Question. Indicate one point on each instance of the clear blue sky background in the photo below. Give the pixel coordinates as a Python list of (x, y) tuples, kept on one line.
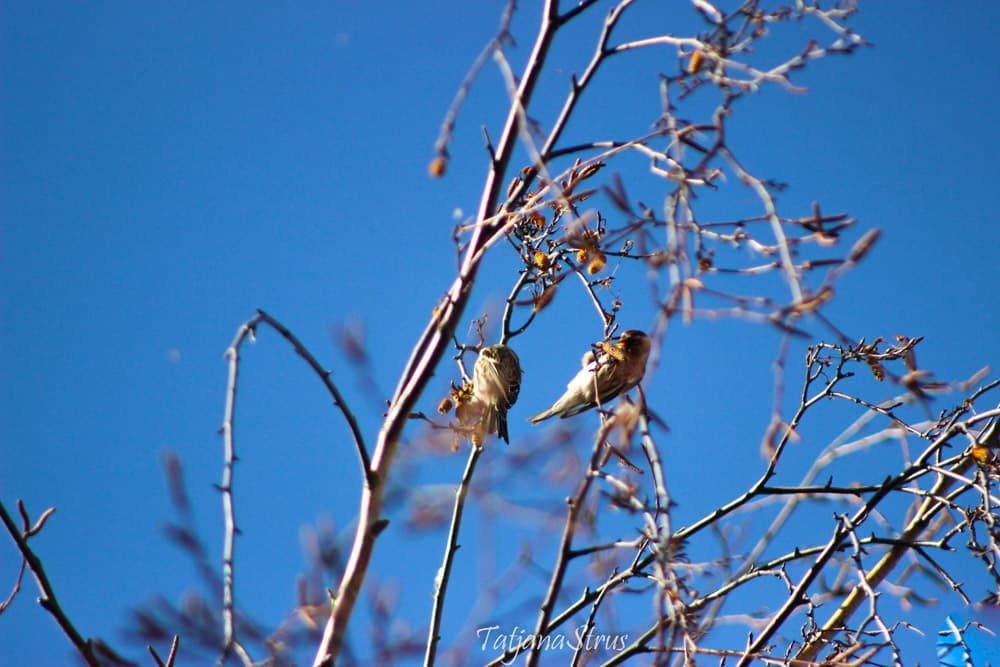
[(164, 170)]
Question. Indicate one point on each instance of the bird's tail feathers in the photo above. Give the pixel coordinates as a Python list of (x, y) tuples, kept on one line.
[(541, 416), (495, 421), (563, 408), (501, 420)]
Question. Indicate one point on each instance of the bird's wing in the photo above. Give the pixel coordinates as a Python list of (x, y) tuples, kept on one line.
[(610, 382), (513, 386), (576, 398)]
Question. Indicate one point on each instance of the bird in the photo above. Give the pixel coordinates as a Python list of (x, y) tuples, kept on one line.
[(612, 372), (496, 384)]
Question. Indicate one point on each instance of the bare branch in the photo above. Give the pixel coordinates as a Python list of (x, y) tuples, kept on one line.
[(230, 643), (452, 546), (325, 377), (48, 600)]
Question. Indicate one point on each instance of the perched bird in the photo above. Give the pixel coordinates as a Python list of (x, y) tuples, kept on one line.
[(496, 383), (612, 372)]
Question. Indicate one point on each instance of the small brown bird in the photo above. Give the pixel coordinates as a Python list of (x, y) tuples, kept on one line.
[(496, 384), (603, 378)]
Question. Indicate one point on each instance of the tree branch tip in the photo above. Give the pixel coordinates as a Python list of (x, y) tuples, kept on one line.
[(34, 530), (156, 657), (379, 526)]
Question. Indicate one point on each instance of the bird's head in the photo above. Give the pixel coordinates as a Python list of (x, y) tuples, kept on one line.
[(635, 343)]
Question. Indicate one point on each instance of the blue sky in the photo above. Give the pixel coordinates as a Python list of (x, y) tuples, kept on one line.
[(166, 170)]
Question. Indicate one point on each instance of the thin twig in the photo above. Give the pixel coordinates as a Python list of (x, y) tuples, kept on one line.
[(170, 657), (505, 331), (48, 600), (448, 124), (230, 643), (452, 546), (575, 506), (325, 377)]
